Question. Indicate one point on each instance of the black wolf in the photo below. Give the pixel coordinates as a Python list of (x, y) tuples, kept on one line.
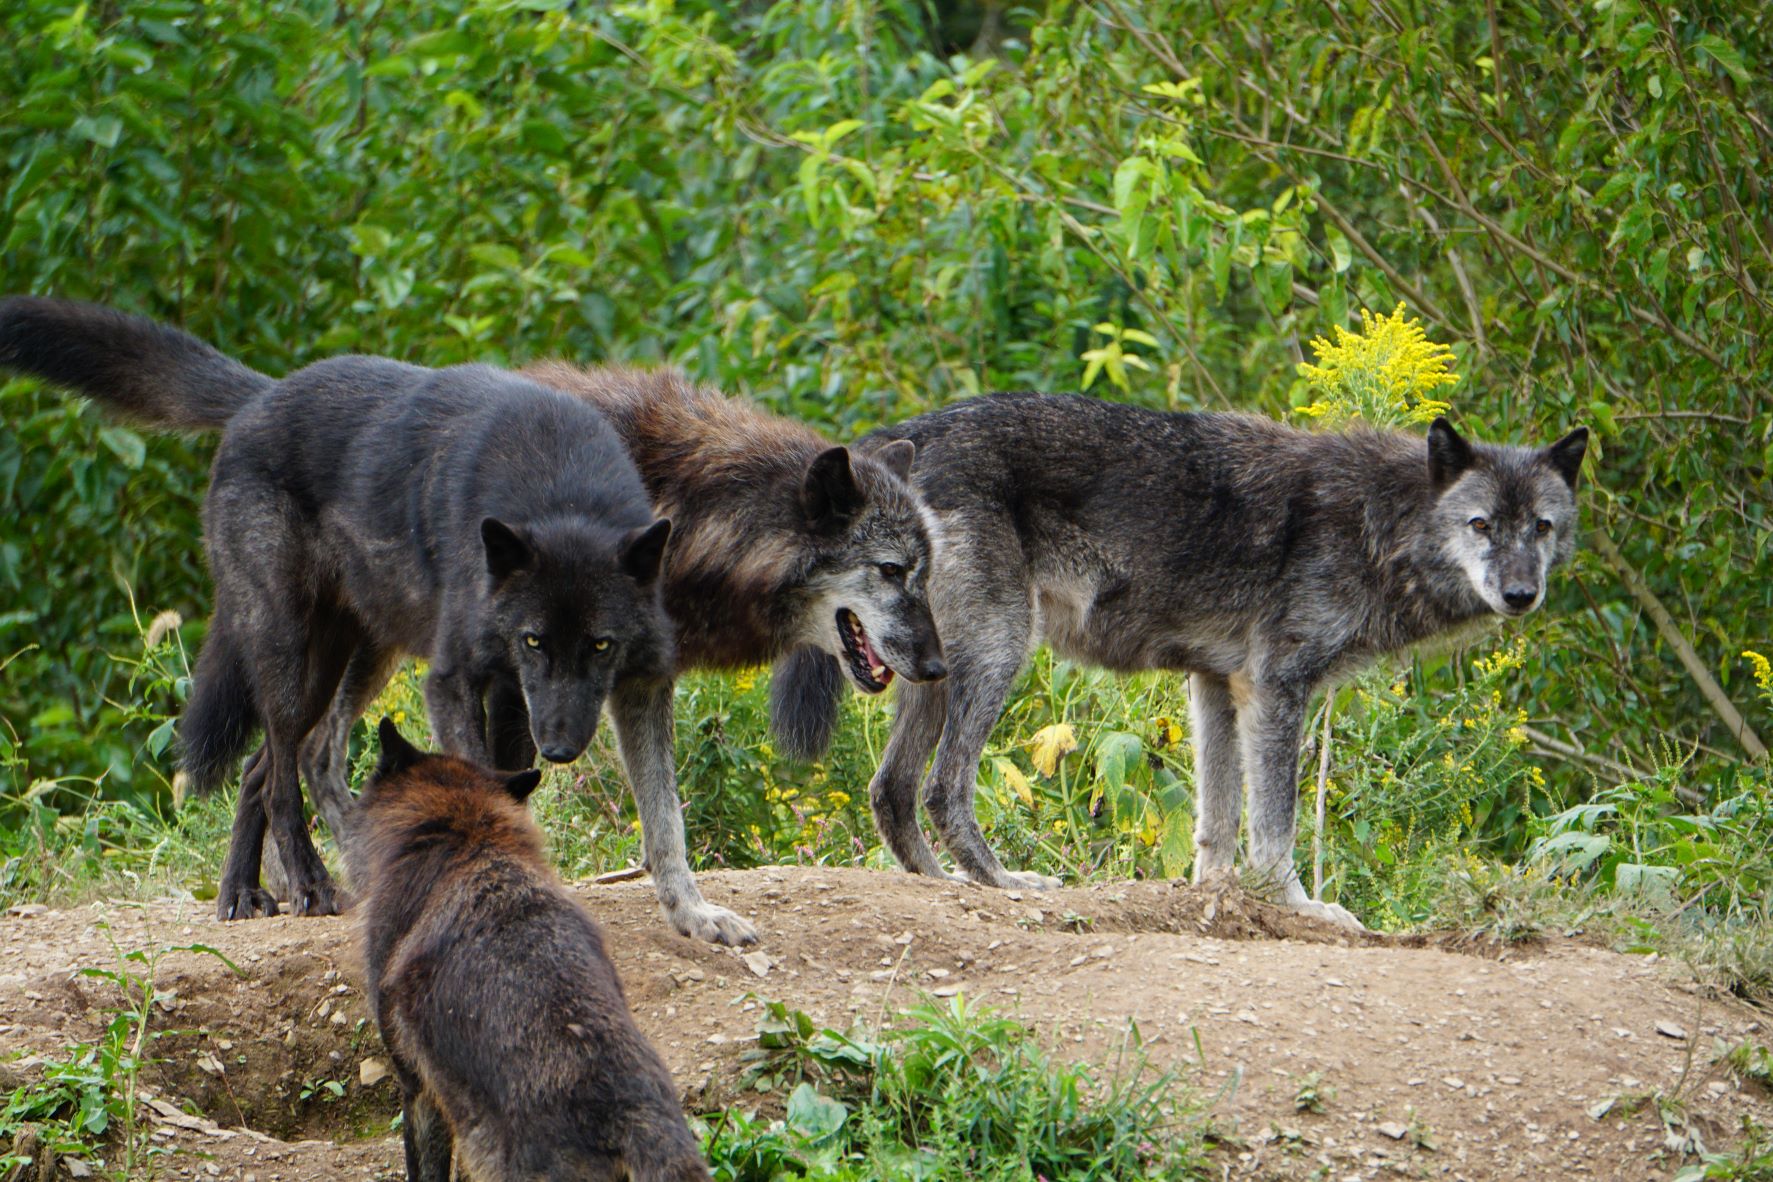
[(500, 1008), (780, 542), (362, 509), (1263, 559)]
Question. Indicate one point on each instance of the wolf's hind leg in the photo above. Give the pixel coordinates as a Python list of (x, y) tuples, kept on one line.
[(641, 711), (1271, 723), (238, 897), (1218, 774), (325, 759), (427, 1137), (917, 726)]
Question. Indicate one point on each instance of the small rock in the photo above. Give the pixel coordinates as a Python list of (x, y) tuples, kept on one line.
[(76, 1168), (25, 911), (339, 1018), (1453, 1081), (371, 1072), (1670, 1030), (1393, 1130), (758, 962)]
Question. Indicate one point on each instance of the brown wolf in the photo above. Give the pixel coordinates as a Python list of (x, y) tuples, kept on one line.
[(781, 543), (498, 1004)]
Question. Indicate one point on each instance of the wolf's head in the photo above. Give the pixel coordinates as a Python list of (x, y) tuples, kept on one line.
[(866, 593), (574, 605), (1504, 515)]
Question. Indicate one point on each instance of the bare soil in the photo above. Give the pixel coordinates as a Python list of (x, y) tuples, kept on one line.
[(1489, 1063)]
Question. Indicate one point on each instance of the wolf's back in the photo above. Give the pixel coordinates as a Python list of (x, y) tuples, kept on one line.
[(147, 372)]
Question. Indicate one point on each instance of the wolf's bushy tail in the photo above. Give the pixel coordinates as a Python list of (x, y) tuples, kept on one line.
[(219, 722), (806, 694), (147, 372)]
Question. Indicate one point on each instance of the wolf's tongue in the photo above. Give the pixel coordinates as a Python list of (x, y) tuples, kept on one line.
[(877, 667)]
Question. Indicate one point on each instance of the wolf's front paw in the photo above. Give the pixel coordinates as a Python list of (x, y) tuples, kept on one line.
[(704, 921), (1029, 880), (1330, 912), (239, 901)]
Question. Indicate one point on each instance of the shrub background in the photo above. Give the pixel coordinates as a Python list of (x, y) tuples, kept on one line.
[(854, 212)]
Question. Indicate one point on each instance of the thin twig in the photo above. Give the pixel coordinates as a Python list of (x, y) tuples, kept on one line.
[(1323, 780)]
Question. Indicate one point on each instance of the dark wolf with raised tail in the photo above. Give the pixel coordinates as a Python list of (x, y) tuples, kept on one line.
[(1263, 559), (503, 1015), (781, 544), (360, 510)]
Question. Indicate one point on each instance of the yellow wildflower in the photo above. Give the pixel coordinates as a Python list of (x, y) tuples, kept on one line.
[(1763, 669), (1383, 374)]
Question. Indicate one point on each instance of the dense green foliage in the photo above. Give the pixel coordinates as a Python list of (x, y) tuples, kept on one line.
[(828, 207)]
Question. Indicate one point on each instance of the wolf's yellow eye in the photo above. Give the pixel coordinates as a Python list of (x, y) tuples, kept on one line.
[(1479, 524), (532, 640), (600, 645), (1542, 528), (891, 571)]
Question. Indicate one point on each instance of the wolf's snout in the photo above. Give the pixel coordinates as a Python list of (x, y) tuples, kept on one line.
[(1519, 599), (560, 753), (931, 669)]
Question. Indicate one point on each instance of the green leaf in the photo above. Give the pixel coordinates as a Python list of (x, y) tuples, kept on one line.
[(1709, 45), (103, 130), (814, 1116), (1117, 754), (125, 444)]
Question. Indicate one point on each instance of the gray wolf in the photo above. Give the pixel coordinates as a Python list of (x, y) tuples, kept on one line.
[(780, 542), (1262, 559), (499, 1007), (362, 509)]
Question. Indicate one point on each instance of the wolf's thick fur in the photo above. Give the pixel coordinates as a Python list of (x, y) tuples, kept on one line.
[(1263, 559), (778, 538), (503, 1015), (362, 509), (777, 531)]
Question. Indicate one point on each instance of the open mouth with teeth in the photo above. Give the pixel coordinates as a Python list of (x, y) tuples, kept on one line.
[(869, 671)]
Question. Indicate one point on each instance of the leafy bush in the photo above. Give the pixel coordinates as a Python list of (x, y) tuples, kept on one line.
[(824, 206)]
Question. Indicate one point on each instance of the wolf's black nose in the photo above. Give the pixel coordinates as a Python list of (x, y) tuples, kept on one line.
[(559, 753), (1520, 598), (932, 670)]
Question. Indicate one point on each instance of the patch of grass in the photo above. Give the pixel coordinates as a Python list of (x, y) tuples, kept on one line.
[(956, 1091), (85, 1103)]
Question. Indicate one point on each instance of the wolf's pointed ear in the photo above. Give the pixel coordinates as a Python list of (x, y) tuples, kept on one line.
[(642, 552), (1566, 455), (1448, 454), (523, 783), (897, 457), (830, 494), (506, 551), (397, 753)]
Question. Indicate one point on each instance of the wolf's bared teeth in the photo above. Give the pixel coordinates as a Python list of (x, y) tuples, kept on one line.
[(879, 672)]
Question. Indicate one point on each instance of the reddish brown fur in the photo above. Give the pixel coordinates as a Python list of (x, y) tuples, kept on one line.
[(498, 1004), (729, 477)]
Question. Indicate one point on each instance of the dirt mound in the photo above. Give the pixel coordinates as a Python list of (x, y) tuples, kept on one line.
[(1426, 1061)]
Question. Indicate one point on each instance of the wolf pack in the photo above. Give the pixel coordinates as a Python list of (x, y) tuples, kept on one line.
[(561, 541)]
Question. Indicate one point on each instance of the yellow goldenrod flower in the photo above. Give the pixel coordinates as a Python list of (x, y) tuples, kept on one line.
[(1383, 374), (1763, 669)]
